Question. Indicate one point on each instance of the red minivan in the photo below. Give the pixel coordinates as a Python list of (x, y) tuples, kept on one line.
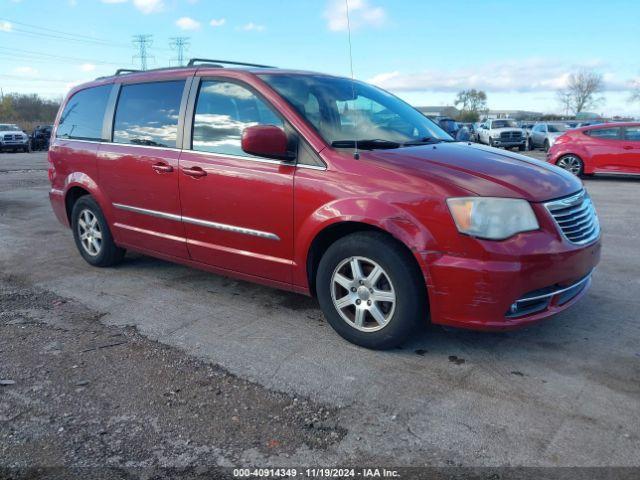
[(323, 186)]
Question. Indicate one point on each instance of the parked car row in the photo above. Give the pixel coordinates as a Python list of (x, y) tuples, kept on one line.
[(14, 139), (582, 148)]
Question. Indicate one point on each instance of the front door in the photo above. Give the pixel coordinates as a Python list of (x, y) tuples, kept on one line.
[(237, 209), (605, 147), (630, 163), (139, 169)]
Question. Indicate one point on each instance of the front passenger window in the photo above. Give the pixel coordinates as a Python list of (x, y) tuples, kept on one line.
[(223, 110)]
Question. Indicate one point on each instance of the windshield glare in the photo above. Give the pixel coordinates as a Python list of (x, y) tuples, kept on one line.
[(329, 104), (504, 124), (8, 127)]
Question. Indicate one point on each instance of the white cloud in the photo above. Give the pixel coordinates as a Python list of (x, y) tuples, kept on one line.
[(249, 27), (5, 26), (87, 67), (145, 6), (188, 23), (149, 6), (25, 71), (217, 22), (361, 13), (528, 75)]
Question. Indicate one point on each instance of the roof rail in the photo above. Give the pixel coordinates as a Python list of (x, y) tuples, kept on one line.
[(220, 63), (120, 71)]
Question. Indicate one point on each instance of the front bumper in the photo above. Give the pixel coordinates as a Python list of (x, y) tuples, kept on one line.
[(509, 143), (14, 144), (509, 292)]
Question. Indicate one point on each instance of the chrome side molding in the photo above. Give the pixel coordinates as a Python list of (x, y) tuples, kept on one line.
[(202, 223)]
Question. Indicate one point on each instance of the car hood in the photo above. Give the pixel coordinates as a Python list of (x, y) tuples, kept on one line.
[(483, 171)]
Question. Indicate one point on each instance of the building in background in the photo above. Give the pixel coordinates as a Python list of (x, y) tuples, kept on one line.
[(441, 111), (513, 114)]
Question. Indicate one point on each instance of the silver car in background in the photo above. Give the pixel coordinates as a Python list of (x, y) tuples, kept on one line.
[(543, 135)]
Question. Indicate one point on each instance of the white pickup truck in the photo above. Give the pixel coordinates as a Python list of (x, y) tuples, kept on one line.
[(12, 138), (502, 133)]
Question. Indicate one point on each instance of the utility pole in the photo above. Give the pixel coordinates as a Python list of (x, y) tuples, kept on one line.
[(142, 43), (181, 45)]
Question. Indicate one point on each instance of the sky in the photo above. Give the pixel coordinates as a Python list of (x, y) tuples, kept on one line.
[(425, 51)]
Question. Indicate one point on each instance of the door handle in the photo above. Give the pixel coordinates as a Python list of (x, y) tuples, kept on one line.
[(628, 147), (162, 168), (194, 172)]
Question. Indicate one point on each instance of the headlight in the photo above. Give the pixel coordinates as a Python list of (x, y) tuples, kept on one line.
[(492, 218)]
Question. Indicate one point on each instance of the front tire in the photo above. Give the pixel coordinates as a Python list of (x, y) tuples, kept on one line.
[(371, 290), (546, 146), (92, 235)]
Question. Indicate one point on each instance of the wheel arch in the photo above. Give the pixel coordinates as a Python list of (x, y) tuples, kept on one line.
[(71, 197), (333, 232), (79, 184)]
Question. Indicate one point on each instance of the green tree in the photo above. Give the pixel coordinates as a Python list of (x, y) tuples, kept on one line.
[(473, 102), (7, 112)]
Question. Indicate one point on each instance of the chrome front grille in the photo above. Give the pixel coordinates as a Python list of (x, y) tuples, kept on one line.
[(8, 137), (511, 136), (576, 217)]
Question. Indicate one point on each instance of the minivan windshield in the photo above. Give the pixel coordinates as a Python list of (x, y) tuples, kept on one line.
[(346, 112)]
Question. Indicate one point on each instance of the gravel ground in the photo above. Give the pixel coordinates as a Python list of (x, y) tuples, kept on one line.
[(77, 393)]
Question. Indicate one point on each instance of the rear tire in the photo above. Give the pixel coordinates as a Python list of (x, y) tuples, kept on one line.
[(379, 302), (92, 235), (572, 164)]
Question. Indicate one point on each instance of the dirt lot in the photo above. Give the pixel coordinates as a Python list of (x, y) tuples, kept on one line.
[(155, 364)]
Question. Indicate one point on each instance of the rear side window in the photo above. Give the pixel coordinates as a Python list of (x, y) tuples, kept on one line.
[(632, 133), (223, 110), (147, 114), (605, 133), (83, 114)]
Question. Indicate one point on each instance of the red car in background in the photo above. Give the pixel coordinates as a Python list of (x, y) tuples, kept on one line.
[(612, 148)]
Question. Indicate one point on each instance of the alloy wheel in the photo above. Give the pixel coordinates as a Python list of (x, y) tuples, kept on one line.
[(89, 232), (570, 163), (363, 294)]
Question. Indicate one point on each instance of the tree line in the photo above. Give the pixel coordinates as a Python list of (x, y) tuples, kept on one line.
[(582, 92), (27, 110)]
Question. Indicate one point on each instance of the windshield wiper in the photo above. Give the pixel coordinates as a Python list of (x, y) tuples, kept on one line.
[(366, 144), (425, 141)]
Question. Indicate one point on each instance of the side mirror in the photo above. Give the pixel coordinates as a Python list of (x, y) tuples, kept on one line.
[(266, 141)]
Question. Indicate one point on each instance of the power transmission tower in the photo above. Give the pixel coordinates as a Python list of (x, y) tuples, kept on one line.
[(181, 45), (142, 43)]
